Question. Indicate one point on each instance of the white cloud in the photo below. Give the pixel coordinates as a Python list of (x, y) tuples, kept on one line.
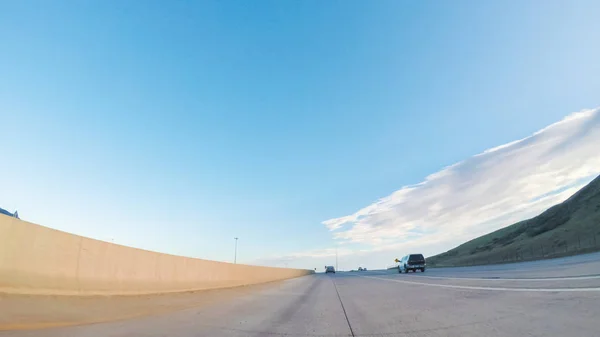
[(317, 258), (488, 191)]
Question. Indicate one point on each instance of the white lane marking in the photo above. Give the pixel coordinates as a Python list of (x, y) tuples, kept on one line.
[(488, 288), (566, 278)]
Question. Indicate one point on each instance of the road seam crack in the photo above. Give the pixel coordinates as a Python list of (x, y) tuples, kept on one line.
[(343, 309)]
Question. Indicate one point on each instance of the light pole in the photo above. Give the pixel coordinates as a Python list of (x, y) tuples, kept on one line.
[(336, 259), (235, 255)]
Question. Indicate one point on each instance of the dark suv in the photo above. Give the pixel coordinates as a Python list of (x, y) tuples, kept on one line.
[(412, 262)]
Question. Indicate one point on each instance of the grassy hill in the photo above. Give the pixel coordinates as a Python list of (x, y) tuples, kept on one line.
[(569, 228)]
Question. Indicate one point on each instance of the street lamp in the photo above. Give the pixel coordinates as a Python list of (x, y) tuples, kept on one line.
[(235, 255), (336, 259)]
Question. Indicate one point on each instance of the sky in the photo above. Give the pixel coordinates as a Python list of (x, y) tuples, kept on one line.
[(374, 129)]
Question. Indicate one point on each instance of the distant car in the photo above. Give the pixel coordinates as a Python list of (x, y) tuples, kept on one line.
[(412, 262), (329, 269), (360, 269)]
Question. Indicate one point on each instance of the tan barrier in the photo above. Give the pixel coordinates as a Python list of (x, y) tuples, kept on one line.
[(39, 260)]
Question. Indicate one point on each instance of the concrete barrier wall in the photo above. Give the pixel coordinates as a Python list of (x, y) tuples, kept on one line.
[(39, 260)]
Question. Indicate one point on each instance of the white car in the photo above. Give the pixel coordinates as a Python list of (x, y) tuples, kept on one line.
[(412, 262)]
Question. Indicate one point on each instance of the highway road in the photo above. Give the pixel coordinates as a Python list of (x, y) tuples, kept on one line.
[(558, 297)]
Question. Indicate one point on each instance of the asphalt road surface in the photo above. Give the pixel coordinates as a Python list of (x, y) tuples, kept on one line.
[(558, 297)]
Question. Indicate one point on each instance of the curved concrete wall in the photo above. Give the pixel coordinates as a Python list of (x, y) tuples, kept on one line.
[(39, 260)]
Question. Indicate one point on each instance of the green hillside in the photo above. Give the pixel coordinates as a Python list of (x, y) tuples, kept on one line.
[(569, 228)]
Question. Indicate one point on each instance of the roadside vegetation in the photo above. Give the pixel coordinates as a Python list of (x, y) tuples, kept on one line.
[(569, 228)]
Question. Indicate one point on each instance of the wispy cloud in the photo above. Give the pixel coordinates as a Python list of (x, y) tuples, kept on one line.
[(488, 191), (483, 193), (316, 257)]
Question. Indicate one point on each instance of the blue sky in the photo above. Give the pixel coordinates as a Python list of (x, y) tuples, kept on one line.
[(175, 126)]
